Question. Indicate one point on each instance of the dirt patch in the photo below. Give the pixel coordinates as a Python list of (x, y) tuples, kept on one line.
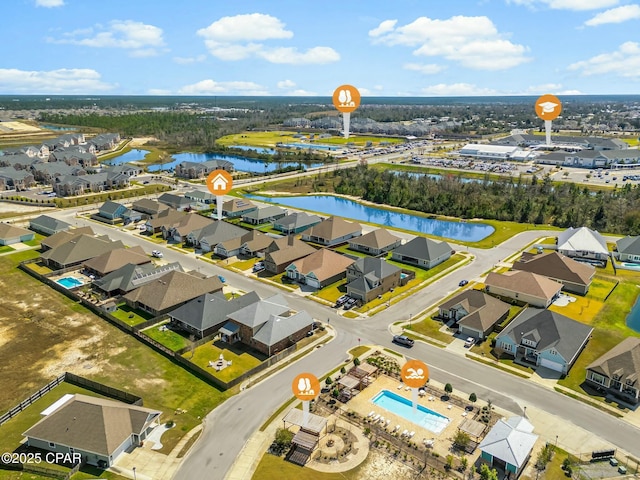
[(382, 466), (139, 141)]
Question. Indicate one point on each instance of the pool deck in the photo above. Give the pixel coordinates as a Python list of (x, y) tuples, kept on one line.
[(363, 404)]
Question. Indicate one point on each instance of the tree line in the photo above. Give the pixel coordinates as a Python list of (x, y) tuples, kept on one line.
[(518, 199)]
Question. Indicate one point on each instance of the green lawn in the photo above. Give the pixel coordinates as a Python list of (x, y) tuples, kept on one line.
[(130, 316), (241, 362), (359, 350), (332, 292), (586, 308), (269, 139), (276, 468), (244, 264), (345, 249), (430, 328), (6, 248), (166, 337)]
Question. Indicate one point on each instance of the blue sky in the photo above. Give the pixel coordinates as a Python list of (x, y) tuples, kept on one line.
[(285, 47)]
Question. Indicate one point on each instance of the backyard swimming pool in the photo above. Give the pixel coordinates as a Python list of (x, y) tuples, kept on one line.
[(69, 282), (403, 407)]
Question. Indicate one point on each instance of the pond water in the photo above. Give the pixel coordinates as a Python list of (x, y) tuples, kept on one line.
[(333, 205), (633, 319), (241, 164), (437, 176), (134, 155), (312, 146), (58, 129), (269, 151)]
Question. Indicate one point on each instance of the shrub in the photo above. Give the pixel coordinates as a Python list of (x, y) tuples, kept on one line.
[(473, 398), (448, 388)]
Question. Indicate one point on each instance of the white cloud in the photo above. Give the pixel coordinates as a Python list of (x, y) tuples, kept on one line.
[(384, 27), (425, 69), (72, 80), (624, 62), (286, 84), (302, 93), (211, 87), (457, 89), (239, 37), (473, 42), (49, 3), (141, 39), (567, 4), (189, 60), (553, 88), (615, 15)]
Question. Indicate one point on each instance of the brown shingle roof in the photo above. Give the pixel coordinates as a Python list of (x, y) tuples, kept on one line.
[(11, 231), (113, 260), (525, 282), (190, 223), (323, 263), (92, 424), (287, 249), (556, 265), (80, 249), (483, 310), (623, 360), (172, 290), (332, 228), (378, 238), (167, 218), (65, 236)]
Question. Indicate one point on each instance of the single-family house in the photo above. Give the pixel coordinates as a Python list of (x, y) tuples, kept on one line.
[(198, 197), (10, 234), (64, 236), (170, 291), (617, 372), (296, 223), (269, 325), (319, 269), (628, 249), (78, 250), (508, 445), (205, 315), (111, 210), (332, 231), (526, 287), (132, 276), (177, 202), (283, 251), (208, 237), (98, 429), (575, 276), (369, 277), (376, 242), (543, 338), (179, 231), (254, 243), (47, 225), (115, 259), (164, 220), (264, 215), (475, 313), (583, 243), (423, 252), (237, 207), (149, 207)]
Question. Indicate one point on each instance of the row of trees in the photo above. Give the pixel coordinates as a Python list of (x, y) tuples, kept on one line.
[(534, 200)]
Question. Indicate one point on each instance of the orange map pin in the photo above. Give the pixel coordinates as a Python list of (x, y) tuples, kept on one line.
[(306, 386), (548, 107), (414, 373), (346, 98), (219, 182)]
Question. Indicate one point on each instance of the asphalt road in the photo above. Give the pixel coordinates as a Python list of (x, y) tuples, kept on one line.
[(228, 427)]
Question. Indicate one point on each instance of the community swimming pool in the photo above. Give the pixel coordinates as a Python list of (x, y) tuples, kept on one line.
[(69, 282), (423, 417), (630, 266)]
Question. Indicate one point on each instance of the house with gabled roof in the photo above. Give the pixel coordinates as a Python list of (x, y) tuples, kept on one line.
[(131, 276), (164, 220), (111, 210), (576, 277), (508, 445), (188, 169), (264, 215), (628, 249), (237, 207), (205, 315), (177, 202), (200, 197), (369, 277), (254, 243), (583, 243), (375, 242), (114, 259), (179, 231), (47, 225), (48, 172), (617, 372), (319, 269), (170, 291), (474, 312), (10, 234), (209, 236), (296, 222), (332, 231), (149, 207), (543, 338), (64, 236), (526, 287), (283, 251), (18, 179), (78, 250), (423, 252), (98, 429)]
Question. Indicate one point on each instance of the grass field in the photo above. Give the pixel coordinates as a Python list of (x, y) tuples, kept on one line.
[(43, 334), (586, 308), (166, 337), (130, 316), (240, 361), (269, 139)]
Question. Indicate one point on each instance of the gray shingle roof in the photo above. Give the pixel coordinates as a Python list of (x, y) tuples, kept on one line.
[(510, 440), (131, 276), (423, 248), (297, 220), (629, 245), (80, 249), (378, 238), (278, 328), (44, 222), (258, 313), (622, 360)]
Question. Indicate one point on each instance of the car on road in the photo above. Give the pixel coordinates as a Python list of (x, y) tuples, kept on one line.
[(403, 340), (469, 342), (157, 254), (222, 279), (146, 182), (463, 283)]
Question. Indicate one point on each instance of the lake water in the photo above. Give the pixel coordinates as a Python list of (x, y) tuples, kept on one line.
[(633, 319), (437, 176), (269, 151), (134, 155), (241, 164), (312, 146), (333, 205), (58, 129)]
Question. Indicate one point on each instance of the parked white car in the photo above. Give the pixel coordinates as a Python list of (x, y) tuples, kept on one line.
[(157, 253)]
